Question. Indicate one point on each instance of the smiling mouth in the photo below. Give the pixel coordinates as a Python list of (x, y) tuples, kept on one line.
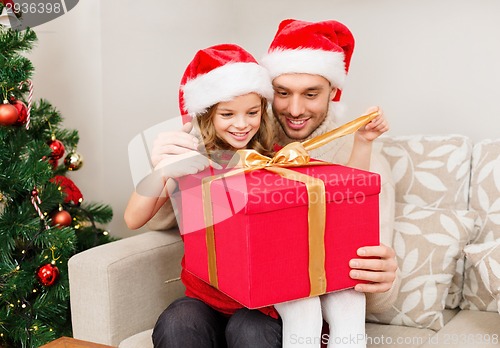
[(239, 135), (296, 123)]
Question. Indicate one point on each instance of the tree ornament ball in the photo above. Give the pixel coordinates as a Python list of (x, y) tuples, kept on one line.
[(61, 218), (22, 111), (54, 163), (57, 148), (47, 274), (8, 114), (73, 161)]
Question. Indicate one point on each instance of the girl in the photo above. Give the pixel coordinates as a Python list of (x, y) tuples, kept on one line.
[(226, 91)]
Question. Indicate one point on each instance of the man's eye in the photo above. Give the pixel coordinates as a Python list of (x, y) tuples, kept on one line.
[(311, 95), (281, 93)]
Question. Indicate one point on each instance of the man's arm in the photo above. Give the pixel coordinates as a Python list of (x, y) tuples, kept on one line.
[(383, 273), (363, 139)]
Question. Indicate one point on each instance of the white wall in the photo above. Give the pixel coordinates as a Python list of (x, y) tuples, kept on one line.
[(67, 60), (113, 67)]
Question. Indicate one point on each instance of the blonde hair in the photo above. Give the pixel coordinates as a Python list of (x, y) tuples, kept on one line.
[(262, 141)]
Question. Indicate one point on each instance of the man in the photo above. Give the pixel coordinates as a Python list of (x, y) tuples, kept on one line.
[(308, 63)]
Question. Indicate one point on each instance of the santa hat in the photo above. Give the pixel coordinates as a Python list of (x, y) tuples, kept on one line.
[(221, 73), (322, 48)]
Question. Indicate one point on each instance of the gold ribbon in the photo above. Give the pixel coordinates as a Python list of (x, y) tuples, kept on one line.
[(293, 155)]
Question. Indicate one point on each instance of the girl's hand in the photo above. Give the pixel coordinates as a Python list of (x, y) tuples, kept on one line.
[(375, 128), (173, 143), (175, 166)]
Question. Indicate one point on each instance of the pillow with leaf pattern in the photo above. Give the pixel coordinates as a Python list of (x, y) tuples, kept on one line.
[(482, 277), (428, 242), (430, 171), (485, 189)]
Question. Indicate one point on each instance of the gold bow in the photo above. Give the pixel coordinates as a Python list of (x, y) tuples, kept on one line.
[(293, 155)]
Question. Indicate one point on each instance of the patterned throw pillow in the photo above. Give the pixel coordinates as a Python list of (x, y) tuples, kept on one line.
[(482, 277), (430, 171), (428, 242), (485, 189)]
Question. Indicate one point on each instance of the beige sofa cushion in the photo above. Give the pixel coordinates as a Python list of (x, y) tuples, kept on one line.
[(140, 340), (485, 189), (482, 277), (428, 242), (468, 329), (430, 170)]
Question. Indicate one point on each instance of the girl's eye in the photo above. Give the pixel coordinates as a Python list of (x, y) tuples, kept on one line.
[(253, 113), (226, 115)]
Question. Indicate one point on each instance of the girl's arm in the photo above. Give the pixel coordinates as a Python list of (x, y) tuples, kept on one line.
[(142, 205), (363, 139), (153, 191)]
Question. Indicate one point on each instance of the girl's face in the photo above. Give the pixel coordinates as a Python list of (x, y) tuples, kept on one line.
[(238, 120)]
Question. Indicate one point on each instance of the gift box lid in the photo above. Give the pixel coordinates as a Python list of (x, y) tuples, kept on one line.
[(261, 190)]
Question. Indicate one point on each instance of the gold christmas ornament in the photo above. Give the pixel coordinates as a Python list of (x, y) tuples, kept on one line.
[(73, 161)]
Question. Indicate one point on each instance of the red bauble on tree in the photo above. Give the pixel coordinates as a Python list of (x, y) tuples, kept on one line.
[(57, 148), (8, 114), (47, 274), (22, 111), (61, 218)]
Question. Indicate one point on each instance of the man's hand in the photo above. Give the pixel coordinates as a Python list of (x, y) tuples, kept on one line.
[(379, 270), (173, 143), (375, 128)]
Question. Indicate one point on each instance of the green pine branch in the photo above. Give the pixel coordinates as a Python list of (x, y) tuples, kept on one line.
[(14, 67)]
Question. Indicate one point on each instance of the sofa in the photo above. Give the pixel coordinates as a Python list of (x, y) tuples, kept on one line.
[(446, 238)]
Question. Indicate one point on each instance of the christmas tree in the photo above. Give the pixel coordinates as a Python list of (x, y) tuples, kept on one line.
[(44, 219)]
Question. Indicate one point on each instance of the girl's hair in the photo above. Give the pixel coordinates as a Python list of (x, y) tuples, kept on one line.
[(262, 141)]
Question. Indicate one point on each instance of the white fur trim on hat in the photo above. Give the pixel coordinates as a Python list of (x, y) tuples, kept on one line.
[(224, 84), (328, 64)]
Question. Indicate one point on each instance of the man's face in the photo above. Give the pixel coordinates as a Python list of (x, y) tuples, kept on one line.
[(301, 103)]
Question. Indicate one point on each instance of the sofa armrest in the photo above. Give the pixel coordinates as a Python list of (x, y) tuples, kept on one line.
[(119, 289)]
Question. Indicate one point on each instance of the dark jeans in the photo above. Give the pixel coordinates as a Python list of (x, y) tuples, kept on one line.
[(190, 323)]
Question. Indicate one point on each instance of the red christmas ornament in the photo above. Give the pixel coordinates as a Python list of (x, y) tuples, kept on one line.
[(47, 274), (61, 218), (8, 114), (57, 148), (73, 193), (54, 163), (22, 111)]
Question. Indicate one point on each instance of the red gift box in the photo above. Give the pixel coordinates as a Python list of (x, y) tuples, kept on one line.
[(261, 230)]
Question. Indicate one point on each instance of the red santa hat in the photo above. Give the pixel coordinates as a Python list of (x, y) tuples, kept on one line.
[(221, 73), (322, 48)]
